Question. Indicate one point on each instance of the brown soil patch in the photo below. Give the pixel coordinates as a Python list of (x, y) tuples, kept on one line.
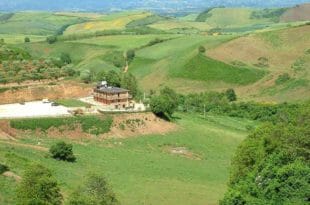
[(65, 132), (135, 124), (298, 13), (39, 92), (6, 132), (183, 152), (292, 44), (12, 175)]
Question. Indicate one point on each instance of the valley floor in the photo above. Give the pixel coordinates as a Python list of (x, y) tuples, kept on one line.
[(186, 166)]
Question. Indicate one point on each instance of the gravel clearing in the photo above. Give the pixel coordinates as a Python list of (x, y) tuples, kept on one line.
[(32, 109)]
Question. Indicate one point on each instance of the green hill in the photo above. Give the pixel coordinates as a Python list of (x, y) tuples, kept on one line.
[(36, 23), (279, 52), (203, 68)]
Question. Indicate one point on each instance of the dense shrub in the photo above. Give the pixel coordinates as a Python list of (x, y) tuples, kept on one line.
[(129, 82), (218, 103), (3, 168), (95, 191), (90, 124), (65, 58), (283, 78), (86, 76), (202, 49), (51, 39), (27, 39), (164, 104), (155, 41), (62, 151), (272, 165), (130, 54), (95, 125), (231, 95), (38, 187), (116, 58)]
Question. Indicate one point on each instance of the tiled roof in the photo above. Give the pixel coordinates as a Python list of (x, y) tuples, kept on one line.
[(104, 89)]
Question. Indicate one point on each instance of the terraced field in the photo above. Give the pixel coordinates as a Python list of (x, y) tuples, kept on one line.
[(125, 42), (233, 17), (111, 23)]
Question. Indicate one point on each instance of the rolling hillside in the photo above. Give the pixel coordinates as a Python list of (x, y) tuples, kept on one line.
[(36, 23), (298, 13), (279, 52), (111, 22), (174, 61)]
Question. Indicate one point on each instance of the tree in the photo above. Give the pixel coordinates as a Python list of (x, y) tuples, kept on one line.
[(27, 40), (165, 104), (70, 71), (113, 78), (130, 82), (231, 95), (95, 191), (101, 75), (130, 54), (86, 76), (65, 58), (62, 151), (51, 39), (202, 49), (38, 187)]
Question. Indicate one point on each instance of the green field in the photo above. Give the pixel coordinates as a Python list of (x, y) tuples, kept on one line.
[(20, 38), (207, 69), (125, 42), (141, 170), (36, 23), (111, 22), (71, 103)]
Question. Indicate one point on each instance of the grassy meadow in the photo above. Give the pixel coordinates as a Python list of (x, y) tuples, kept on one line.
[(261, 59), (141, 169)]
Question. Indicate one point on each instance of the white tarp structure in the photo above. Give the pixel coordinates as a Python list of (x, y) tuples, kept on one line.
[(32, 109)]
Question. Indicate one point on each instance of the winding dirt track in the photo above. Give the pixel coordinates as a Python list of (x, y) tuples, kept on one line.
[(35, 147)]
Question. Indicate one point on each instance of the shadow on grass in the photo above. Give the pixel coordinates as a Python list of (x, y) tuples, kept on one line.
[(167, 118)]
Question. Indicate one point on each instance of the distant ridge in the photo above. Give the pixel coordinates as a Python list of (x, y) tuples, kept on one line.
[(154, 5), (298, 13)]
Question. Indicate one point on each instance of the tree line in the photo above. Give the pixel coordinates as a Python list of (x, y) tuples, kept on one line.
[(272, 165)]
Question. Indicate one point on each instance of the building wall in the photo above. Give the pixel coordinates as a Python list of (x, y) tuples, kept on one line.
[(116, 100)]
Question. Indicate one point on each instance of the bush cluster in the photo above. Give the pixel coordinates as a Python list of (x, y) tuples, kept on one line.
[(3, 168), (17, 65), (90, 124), (62, 151), (272, 165)]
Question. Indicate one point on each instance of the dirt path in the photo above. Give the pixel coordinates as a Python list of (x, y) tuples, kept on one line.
[(126, 67), (35, 147), (12, 175)]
